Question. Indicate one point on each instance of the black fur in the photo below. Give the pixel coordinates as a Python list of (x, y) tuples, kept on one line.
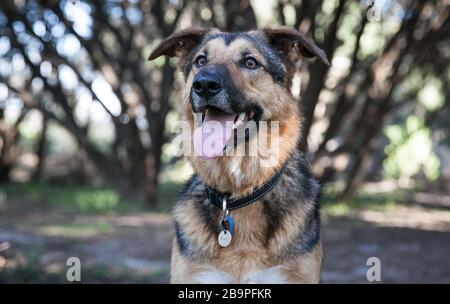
[(181, 240), (194, 190), (296, 187), (227, 37)]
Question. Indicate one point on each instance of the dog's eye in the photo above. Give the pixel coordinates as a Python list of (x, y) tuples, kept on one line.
[(251, 63), (200, 61)]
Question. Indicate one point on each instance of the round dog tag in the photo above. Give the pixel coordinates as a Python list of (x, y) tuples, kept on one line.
[(224, 238)]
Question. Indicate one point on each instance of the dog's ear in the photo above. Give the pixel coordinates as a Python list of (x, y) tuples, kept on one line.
[(180, 43), (291, 43)]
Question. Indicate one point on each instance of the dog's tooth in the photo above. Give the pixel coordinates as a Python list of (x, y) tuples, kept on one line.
[(238, 123), (202, 116), (198, 117)]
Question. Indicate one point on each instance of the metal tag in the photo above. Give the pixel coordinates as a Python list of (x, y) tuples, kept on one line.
[(224, 238)]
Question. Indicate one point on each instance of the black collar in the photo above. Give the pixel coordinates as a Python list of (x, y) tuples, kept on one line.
[(217, 198)]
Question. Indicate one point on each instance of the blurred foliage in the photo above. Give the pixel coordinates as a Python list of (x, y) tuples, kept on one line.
[(410, 151), (80, 102)]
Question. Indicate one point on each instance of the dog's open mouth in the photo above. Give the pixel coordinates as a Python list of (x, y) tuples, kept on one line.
[(216, 128)]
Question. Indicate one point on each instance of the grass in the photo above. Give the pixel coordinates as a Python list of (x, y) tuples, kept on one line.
[(102, 200), (74, 197), (76, 230), (369, 201), (84, 198)]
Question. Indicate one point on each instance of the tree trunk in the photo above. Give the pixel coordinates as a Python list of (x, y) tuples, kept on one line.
[(317, 75), (40, 152)]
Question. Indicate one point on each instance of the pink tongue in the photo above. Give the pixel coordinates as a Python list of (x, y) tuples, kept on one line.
[(212, 136)]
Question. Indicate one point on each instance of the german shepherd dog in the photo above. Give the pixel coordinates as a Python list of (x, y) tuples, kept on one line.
[(238, 220)]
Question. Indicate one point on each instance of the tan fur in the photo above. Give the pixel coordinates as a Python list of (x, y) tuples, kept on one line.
[(278, 104), (305, 268)]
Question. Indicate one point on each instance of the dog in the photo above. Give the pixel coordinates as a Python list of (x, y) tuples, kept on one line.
[(238, 220)]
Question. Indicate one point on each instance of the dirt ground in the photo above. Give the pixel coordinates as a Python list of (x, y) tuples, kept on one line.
[(412, 243)]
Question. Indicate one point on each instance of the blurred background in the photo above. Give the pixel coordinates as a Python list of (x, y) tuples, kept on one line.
[(88, 167)]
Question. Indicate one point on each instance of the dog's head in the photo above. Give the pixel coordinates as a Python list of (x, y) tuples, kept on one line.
[(239, 77)]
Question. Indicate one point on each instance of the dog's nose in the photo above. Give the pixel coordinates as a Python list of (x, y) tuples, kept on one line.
[(207, 84)]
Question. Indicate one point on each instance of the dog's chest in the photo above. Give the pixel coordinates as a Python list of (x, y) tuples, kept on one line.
[(247, 259), (271, 275)]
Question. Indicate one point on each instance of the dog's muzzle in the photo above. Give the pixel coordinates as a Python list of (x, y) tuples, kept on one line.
[(209, 89), (221, 108)]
